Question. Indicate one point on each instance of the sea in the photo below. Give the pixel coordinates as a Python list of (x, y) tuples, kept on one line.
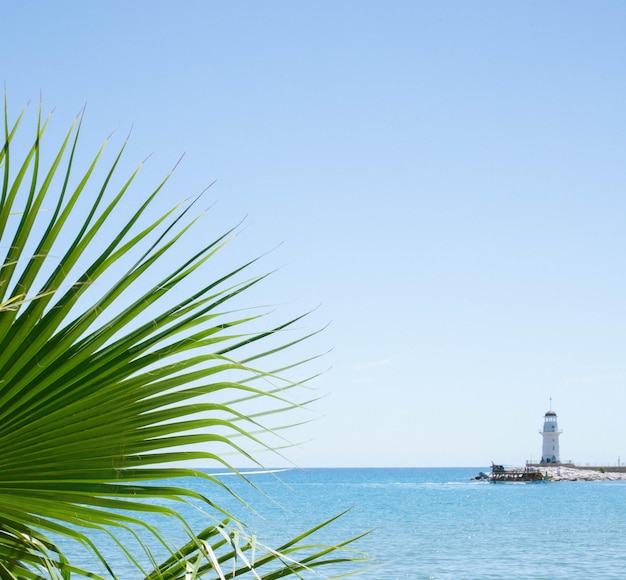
[(437, 523)]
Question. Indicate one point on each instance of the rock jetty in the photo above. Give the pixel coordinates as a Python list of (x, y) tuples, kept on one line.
[(560, 473), (552, 473)]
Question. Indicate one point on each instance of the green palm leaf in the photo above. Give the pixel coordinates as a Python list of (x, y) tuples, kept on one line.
[(101, 397)]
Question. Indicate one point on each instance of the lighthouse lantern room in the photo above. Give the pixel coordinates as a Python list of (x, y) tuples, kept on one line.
[(550, 451)]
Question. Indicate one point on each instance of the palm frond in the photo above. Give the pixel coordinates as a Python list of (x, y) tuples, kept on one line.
[(103, 392)]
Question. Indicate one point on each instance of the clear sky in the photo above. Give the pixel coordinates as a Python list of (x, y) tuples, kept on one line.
[(445, 180)]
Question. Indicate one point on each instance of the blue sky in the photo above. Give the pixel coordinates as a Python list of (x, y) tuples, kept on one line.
[(444, 181)]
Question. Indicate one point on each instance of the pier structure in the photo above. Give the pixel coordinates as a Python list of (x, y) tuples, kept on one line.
[(550, 450)]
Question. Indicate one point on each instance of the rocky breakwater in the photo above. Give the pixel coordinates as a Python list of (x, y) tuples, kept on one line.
[(557, 473)]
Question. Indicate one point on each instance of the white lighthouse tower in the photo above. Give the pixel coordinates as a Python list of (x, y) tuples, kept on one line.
[(550, 451)]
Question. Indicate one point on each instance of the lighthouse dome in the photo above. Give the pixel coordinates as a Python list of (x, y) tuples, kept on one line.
[(550, 414)]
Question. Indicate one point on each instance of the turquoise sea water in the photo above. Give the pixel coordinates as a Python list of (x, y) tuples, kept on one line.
[(438, 524)]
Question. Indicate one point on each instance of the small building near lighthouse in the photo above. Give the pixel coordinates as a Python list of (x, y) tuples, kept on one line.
[(550, 450)]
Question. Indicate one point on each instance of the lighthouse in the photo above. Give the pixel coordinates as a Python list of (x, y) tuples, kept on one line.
[(550, 434)]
